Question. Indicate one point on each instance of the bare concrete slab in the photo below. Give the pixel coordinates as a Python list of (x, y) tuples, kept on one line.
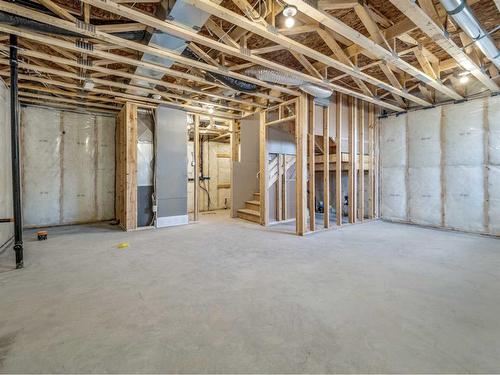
[(225, 295)]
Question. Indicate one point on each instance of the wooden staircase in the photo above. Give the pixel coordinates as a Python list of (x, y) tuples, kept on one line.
[(251, 212)]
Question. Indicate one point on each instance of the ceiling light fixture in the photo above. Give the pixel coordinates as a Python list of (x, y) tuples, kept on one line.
[(210, 109), (88, 84), (289, 22), (464, 77), (290, 11)]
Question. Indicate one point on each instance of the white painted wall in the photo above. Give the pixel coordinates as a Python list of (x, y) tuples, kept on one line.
[(6, 229), (441, 166)]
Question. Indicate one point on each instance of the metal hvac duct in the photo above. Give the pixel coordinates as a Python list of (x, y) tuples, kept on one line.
[(463, 15), (273, 76)]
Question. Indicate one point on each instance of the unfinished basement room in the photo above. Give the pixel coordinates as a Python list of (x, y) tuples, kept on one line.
[(249, 186)]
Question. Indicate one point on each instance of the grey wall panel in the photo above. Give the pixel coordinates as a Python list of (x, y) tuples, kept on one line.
[(171, 165)]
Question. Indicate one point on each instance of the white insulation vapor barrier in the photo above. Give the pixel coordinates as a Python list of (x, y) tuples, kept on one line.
[(393, 168), (6, 229), (69, 165), (441, 166)]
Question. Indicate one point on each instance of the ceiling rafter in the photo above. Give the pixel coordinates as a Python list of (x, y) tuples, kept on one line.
[(182, 32), (366, 43)]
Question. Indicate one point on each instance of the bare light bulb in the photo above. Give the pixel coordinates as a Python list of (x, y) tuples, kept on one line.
[(464, 79), (289, 22), (210, 110)]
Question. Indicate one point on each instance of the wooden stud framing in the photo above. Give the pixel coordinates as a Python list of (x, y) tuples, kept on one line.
[(126, 167), (326, 167), (263, 171), (301, 166), (339, 201), (361, 168), (312, 172), (371, 169), (353, 105)]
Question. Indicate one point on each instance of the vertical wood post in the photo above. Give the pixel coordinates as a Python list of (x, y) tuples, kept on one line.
[(301, 166), (326, 167), (196, 169), (263, 172), (361, 168), (339, 201), (352, 159), (312, 171), (371, 155)]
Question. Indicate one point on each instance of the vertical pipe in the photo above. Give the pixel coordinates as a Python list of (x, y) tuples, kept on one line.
[(16, 165)]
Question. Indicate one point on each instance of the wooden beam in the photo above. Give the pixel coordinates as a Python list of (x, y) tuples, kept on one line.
[(61, 12), (121, 27), (171, 28), (366, 43), (292, 45), (336, 4), (120, 73), (440, 36)]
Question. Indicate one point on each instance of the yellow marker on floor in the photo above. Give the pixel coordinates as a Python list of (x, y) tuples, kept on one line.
[(123, 245)]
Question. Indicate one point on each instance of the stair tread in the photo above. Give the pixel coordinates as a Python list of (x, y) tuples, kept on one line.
[(253, 202), (256, 193), (249, 212)]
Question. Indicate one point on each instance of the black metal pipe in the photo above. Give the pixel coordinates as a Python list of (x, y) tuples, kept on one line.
[(16, 163)]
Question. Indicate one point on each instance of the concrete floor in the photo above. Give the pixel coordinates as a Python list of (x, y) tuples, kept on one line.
[(229, 296)]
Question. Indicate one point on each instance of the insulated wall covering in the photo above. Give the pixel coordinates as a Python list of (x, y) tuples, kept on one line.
[(441, 166), (68, 167)]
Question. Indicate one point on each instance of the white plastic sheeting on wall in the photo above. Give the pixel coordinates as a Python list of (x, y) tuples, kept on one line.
[(6, 229), (105, 167), (424, 159), (393, 167), (464, 166), (68, 167), (452, 175), (41, 158), (79, 168)]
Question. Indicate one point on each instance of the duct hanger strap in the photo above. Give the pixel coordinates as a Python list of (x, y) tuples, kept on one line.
[(458, 9)]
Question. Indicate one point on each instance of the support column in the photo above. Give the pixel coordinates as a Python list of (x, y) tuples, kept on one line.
[(301, 166), (16, 161)]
